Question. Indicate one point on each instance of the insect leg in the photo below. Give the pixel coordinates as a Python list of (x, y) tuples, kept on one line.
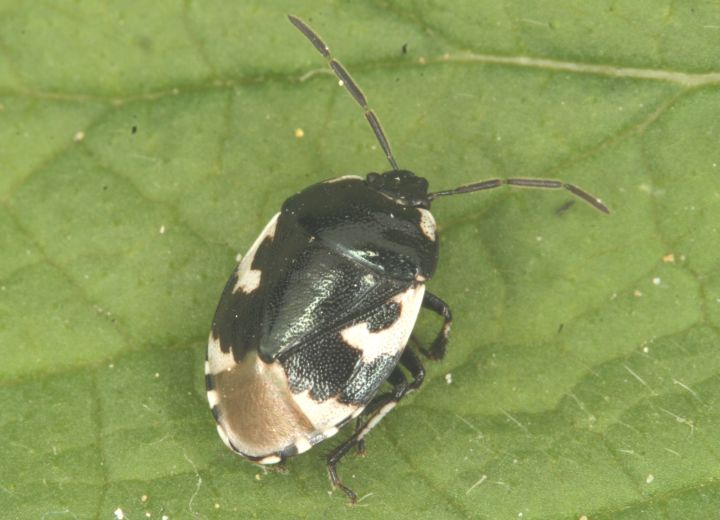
[(439, 344), (375, 411), (350, 85)]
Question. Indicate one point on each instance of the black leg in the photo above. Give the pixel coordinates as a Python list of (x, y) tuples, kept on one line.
[(414, 366), (438, 347), (360, 447), (374, 412)]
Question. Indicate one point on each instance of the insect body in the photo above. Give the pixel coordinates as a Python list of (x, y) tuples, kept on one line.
[(318, 314)]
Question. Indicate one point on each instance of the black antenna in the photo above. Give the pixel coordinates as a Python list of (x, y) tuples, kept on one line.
[(547, 184), (349, 83)]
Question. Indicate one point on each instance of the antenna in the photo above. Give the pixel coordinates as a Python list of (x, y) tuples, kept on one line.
[(547, 184), (349, 83)]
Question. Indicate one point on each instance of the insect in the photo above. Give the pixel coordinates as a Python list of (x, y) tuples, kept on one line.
[(317, 315)]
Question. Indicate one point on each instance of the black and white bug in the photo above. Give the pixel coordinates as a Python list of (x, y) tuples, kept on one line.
[(317, 315)]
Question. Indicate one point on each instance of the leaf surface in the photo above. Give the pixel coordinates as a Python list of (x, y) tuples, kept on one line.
[(143, 148)]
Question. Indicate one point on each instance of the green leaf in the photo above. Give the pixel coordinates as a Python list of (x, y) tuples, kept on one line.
[(144, 146)]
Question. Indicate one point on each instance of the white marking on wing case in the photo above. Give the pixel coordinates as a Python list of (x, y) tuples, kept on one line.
[(302, 445), (270, 459), (427, 224), (324, 414), (343, 178), (213, 398), (393, 339), (248, 279), (218, 361)]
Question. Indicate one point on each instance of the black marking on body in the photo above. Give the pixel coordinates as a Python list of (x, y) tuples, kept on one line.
[(330, 368), (209, 382), (216, 413), (238, 318), (384, 316), (323, 367)]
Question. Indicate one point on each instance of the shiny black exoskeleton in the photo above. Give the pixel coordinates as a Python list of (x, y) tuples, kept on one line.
[(318, 314)]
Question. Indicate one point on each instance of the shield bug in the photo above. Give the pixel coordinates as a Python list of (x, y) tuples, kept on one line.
[(318, 314)]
